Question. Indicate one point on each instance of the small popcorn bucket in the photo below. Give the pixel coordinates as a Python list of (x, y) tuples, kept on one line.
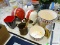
[(10, 21), (23, 27)]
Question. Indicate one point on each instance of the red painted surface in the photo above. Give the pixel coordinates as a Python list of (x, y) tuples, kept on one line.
[(29, 14), (9, 19), (35, 1), (19, 13)]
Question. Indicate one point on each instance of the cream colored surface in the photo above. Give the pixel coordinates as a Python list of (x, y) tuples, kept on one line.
[(37, 31), (47, 14), (33, 16)]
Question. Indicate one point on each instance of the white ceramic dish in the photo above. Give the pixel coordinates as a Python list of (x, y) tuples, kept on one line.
[(37, 32)]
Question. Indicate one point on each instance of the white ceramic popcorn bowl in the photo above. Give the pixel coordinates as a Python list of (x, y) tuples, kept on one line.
[(47, 16), (37, 32)]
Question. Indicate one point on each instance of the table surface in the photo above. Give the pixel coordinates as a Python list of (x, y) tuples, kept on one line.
[(56, 38)]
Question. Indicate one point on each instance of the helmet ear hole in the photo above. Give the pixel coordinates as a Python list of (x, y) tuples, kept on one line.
[(26, 19), (30, 21)]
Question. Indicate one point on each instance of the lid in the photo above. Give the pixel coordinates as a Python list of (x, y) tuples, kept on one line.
[(9, 19)]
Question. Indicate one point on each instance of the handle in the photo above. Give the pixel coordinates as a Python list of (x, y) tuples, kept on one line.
[(52, 34)]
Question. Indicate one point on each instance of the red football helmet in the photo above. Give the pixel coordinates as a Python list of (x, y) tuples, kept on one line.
[(19, 12)]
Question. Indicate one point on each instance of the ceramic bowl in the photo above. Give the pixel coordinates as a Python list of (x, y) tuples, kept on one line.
[(37, 32)]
